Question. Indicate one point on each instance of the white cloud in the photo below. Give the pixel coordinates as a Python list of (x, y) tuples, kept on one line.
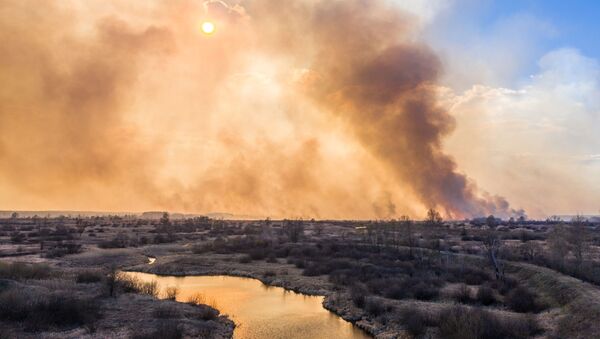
[(478, 50), (535, 144), (425, 10)]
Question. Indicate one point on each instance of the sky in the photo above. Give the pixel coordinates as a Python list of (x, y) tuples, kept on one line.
[(304, 108)]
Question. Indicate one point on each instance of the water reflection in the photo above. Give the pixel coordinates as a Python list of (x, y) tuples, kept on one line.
[(261, 312)]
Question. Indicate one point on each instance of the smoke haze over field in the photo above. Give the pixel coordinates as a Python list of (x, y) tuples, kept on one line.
[(306, 108)]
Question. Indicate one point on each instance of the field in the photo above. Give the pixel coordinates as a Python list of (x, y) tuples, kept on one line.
[(483, 278)]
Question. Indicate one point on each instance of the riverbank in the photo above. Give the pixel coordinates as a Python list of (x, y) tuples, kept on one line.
[(73, 298), (122, 315), (179, 260), (338, 300), (278, 274)]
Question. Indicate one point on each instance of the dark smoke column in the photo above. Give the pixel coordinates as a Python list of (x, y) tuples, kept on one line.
[(384, 87)]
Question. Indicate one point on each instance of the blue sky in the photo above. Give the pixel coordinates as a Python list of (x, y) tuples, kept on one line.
[(576, 22), (514, 33), (523, 79)]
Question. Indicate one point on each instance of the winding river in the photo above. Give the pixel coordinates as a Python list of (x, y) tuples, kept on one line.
[(260, 311)]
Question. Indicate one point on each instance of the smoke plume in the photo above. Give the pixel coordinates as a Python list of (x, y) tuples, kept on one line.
[(367, 71), (302, 108)]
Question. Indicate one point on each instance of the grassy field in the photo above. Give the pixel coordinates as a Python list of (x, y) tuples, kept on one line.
[(400, 278)]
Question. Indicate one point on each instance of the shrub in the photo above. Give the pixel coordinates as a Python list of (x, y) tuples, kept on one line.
[(64, 310), (171, 293), (17, 237), (312, 270), (130, 284), (521, 300), (459, 322), (246, 259), (200, 248), (87, 277), (205, 312), (300, 263), (424, 291), (148, 288), (208, 313), (272, 259), (257, 253), (395, 292), (166, 312), (415, 322), (485, 295), (121, 240), (468, 275), (14, 304), (374, 307), (463, 294), (126, 283), (164, 330), (21, 271), (43, 311), (507, 285), (62, 249), (358, 295), (196, 299)]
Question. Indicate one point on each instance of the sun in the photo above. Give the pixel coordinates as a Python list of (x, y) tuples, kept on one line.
[(208, 27)]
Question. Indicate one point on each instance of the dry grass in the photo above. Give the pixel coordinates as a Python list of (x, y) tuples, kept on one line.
[(42, 311), (88, 277), (22, 271), (166, 311), (459, 322), (580, 301), (167, 329), (171, 293), (129, 284), (196, 299)]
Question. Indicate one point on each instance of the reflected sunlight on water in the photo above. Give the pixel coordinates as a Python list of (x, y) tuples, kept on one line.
[(261, 311)]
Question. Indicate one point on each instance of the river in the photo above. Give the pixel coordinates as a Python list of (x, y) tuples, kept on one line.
[(261, 311)]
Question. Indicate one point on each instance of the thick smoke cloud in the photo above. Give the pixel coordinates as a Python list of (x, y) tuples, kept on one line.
[(367, 71), (291, 109), (62, 99)]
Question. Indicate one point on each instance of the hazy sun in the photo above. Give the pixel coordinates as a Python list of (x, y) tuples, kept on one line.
[(208, 27)]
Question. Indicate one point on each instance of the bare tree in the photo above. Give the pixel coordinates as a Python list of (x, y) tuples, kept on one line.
[(164, 220), (318, 228), (81, 225), (578, 239), (493, 244), (433, 218), (558, 244), (294, 229), (491, 222), (375, 233), (530, 250), (555, 219), (408, 227)]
